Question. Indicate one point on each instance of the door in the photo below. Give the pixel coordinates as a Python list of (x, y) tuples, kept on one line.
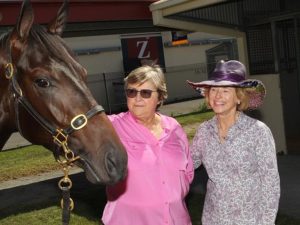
[(288, 57)]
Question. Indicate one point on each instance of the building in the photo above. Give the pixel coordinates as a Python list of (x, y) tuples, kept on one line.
[(111, 38), (186, 38), (267, 35)]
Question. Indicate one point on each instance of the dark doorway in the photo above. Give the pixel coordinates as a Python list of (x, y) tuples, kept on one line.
[(288, 56)]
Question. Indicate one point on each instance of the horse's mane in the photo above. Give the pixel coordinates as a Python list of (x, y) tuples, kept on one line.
[(53, 44), (3, 40)]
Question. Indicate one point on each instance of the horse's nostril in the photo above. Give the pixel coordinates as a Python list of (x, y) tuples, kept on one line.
[(115, 163), (110, 164)]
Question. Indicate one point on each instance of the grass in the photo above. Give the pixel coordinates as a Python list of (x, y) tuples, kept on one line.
[(26, 161), (50, 215), (90, 201), (194, 117)]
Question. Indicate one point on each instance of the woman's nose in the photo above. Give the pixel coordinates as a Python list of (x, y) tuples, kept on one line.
[(218, 94), (138, 96)]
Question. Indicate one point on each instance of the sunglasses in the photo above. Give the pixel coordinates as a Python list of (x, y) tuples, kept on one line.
[(144, 93)]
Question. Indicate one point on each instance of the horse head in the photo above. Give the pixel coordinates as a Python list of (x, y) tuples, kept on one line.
[(45, 97)]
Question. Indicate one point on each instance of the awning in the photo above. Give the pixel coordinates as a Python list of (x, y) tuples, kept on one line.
[(166, 13)]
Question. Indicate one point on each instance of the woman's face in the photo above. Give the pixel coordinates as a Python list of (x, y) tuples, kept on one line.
[(223, 100), (142, 107)]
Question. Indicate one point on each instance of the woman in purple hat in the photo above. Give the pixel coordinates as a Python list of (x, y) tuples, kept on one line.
[(237, 151)]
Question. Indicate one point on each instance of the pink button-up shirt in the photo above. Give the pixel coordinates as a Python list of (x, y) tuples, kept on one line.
[(159, 175)]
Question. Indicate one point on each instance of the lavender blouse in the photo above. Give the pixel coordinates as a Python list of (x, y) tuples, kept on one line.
[(243, 186)]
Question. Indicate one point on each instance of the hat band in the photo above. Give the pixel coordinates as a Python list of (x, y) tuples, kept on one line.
[(231, 76)]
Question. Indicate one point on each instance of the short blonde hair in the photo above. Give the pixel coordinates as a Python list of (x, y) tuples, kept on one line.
[(241, 93), (151, 73)]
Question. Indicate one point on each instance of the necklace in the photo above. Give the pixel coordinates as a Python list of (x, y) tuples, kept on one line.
[(223, 132)]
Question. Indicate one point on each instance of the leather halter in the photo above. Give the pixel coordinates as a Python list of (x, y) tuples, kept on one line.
[(59, 135)]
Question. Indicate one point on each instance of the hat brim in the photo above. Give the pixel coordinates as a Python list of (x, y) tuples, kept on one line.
[(224, 83), (255, 88)]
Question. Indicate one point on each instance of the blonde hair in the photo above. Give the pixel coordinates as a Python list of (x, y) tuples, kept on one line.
[(241, 93), (151, 73)]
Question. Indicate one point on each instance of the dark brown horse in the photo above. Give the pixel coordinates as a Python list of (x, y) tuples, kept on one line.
[(44, 96)]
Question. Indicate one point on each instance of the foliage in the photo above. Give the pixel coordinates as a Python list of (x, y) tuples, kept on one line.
[(203, 107)]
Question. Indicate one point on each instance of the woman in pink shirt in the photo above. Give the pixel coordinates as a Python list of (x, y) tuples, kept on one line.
[(160, 168)]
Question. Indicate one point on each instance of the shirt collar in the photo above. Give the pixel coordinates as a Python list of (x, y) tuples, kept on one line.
[(242, 123)]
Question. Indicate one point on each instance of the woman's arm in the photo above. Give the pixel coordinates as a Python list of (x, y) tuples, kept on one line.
[(269, 176), (195, 149), (190, 166)]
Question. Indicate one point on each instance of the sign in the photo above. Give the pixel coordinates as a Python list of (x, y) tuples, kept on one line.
[(142, 50)]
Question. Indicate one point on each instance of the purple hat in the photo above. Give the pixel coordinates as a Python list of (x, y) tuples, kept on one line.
[(233, 73)]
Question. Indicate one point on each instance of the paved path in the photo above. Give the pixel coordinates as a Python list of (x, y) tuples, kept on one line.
[(15, 141), (289, 170)]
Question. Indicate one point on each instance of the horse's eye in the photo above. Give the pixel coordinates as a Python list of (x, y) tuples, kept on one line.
[(42, 82)]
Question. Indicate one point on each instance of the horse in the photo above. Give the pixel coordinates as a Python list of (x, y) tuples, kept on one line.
[(44, 96)]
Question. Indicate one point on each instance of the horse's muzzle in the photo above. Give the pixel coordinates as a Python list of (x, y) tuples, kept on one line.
[(115, 167), (111, 165)]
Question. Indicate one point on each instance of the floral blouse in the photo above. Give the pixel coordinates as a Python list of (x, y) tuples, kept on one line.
[(243, 186)]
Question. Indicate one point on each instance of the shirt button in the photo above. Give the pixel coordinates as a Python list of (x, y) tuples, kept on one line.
[(163, 182)]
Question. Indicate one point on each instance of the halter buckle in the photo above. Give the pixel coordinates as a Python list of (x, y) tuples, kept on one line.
[(79, 122), (9, 70)]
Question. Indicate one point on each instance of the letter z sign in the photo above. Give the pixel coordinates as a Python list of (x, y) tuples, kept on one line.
[(142, 50)]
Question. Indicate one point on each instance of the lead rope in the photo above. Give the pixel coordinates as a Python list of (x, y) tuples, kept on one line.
[(67, 203), (65, 183)]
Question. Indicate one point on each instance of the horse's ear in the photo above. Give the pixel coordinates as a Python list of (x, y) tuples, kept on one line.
[(57, 25), (24, 22)]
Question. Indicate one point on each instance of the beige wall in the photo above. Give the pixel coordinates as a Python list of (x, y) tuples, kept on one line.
[(272, 111), (176, 77), (104, 61)]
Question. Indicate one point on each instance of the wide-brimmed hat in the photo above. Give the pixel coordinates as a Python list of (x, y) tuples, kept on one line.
[(233, 74)]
